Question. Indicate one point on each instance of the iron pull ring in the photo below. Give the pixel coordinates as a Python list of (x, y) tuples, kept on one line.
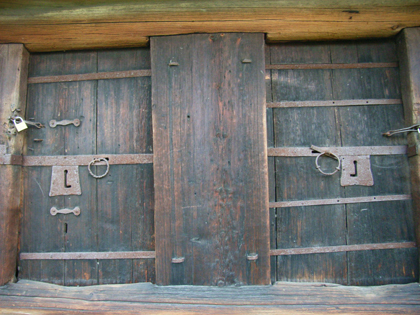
[(332, 155), (96, 161)]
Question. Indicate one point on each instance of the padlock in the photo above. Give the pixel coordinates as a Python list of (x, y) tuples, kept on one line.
[(19, 123)]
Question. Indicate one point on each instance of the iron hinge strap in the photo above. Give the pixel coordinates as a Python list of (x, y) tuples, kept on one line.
[(75, 160)]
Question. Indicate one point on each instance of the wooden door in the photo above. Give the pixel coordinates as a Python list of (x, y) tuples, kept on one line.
[(117, 211), (317, 224)]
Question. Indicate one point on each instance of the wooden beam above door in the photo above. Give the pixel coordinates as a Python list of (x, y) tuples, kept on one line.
[(66, 25)]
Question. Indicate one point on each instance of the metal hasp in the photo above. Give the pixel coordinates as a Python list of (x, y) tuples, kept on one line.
[(65, 181), (55, 211), (55, 123), (356, 171)]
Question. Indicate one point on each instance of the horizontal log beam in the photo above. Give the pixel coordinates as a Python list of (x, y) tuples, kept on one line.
[(64, 25)]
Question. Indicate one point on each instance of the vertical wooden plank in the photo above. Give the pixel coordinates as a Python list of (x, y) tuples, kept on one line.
[(210, 160), (62, 232), (408, 52), (13, 77), (361, 126), (271, 166), (125, 195), (297, 178)]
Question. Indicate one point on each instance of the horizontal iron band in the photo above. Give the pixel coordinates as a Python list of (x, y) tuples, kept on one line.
[(291, 104), (306, 66), (90, 76), (337, 201), (340, 151), (80, 160), (336, 249), (89, 255)]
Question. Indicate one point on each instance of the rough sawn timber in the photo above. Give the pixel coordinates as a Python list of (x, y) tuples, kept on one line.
[(64, 25), (13, 76), (409, 52), (282, 298), (210, 159)]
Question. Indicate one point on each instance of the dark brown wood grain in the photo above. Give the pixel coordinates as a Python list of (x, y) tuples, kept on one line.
[(61, 233), (347, 126), (210, 163), (116, 211), (125, 195), (360, 126), (284, 298), (408, 50), (13, 76), (297, 177)]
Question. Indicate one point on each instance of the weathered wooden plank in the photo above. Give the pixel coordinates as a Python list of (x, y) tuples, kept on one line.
[(60, 233), (31, 305), (361, 125), (408, 52), (125, 195), (13, 76), (210, 159), (297, 178), (66, 25), (281, 298), (271, 165)]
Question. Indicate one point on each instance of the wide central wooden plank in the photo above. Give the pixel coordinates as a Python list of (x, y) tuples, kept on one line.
[(210, 159)]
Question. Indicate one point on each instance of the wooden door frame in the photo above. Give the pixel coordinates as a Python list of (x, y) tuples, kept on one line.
[(14, 59)]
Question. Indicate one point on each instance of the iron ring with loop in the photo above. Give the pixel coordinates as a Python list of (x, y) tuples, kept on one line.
[(96, 161), (332, 155)]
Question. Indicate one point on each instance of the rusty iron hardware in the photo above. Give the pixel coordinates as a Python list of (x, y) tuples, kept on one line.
[(54, 123), (21, 124), (328, 154), (413, 128), (173, 63), (65, 181), (81, 160), (356, 171), (34, 124), (178, 260), (94, 161), (89, 255), (75, 211), (348, 151), (252, 256), (340, 248), (337, 201)]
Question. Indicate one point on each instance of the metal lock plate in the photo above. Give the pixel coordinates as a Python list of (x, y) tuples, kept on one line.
[(65, 181), (19, 123), (356, 171)]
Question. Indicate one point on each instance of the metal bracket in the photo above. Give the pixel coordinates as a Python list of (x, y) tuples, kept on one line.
[(65, 181), (356, 170)]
